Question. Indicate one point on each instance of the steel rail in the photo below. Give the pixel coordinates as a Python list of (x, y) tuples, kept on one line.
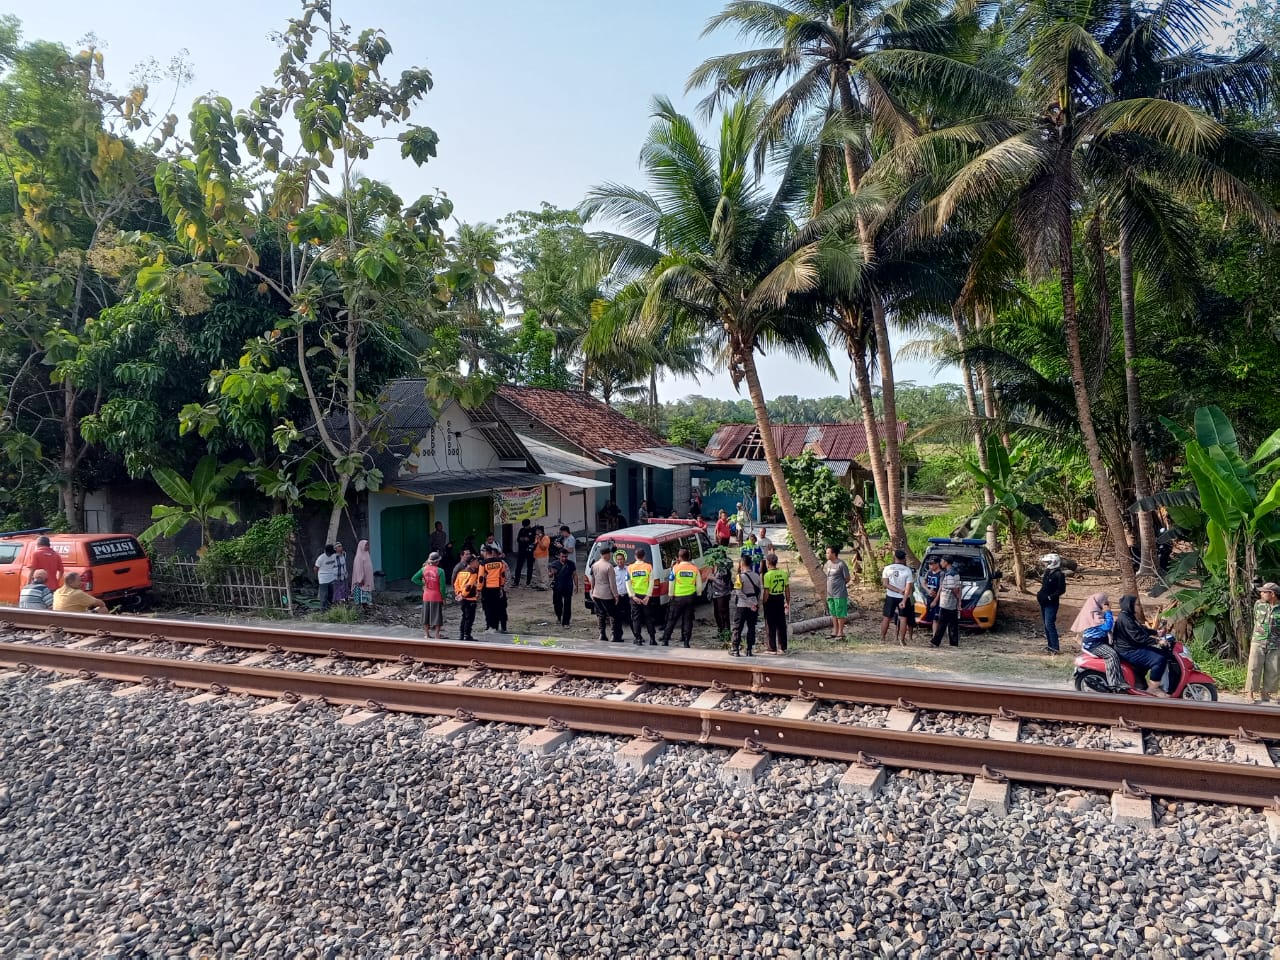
[(762, 677), (1246, 785)]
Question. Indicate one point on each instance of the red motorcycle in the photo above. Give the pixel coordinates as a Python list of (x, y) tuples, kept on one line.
[(1189, 682)]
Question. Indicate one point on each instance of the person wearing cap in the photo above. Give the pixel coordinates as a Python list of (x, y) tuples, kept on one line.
[(431, 579), (1263, 679), (1052, 587), (604, 595), (564, 586), (950, 588), (897, 578)]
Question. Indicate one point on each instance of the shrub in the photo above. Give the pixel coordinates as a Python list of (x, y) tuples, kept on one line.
[(942, 476), (264, 546)]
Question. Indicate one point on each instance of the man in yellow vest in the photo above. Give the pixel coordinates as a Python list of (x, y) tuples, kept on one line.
[(685, 582), (640, 590)]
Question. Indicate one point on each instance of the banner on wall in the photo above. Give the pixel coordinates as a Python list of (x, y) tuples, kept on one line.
[(513, 506)]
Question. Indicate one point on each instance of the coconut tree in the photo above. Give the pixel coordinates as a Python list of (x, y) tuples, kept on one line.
[(721, 248), (1032, 156), (833, 60), (1146, 186)]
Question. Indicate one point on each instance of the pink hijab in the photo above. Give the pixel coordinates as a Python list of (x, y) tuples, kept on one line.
[(1090, 614), (362, 570)]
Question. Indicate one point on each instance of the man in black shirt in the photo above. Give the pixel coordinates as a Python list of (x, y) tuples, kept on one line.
[(564, 586), (1052, 587), (524, 554)]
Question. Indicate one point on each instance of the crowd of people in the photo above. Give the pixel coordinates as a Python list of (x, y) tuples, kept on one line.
[(49, 588)]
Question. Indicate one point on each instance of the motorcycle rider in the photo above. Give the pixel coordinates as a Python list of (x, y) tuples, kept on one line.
[(1139, 646), (1094, 623)]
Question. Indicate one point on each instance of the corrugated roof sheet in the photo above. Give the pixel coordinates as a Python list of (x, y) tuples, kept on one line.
[(758, 468), (554, 460)]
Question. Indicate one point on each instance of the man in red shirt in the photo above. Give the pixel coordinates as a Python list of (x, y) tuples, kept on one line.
[(45, 558)]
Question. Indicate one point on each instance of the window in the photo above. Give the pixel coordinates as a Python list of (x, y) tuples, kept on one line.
[(670, 551), (9, 552)]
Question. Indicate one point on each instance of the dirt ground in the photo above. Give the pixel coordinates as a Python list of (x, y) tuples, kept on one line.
[(1010, 653)]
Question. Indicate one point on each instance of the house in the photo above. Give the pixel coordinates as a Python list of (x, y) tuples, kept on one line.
[(636, 463), (738, 464), (550, 456)]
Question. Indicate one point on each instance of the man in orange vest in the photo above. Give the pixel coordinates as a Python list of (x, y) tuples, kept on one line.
[(493, 591), (466, 590), (685, 582)]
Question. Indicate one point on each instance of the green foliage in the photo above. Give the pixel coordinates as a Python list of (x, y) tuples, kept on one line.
[(198, 500), (338, 613), (1233, 512), (689, 432), (942, 475), (823, 504), (921, 528), (266, 545)]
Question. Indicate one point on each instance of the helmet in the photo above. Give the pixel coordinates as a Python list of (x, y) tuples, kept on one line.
[(1051, 561)]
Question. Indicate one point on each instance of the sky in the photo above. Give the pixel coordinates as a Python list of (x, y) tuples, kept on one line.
[(533, 101)]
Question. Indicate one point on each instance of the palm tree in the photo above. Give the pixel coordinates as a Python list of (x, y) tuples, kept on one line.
[(1157, 55), (1034, 151), (834, 60), (478, 291), (724, 253)]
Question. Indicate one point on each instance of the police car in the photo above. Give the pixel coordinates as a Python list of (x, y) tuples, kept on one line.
[(978, 576)]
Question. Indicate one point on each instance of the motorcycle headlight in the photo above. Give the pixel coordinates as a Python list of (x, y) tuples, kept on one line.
[(986, 598)]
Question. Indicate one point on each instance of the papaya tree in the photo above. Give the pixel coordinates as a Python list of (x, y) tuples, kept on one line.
[(350, 262)]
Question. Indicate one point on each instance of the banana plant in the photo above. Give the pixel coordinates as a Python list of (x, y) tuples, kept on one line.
[(1231, 514), (1013, 477), (198, 500)]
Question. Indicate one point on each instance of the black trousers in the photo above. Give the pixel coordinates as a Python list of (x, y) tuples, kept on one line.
[(775, 623), (744, 621), (468, 619), (495, 608), (562, 602), (948, 622), (721, 606), (606, 612), (645, 616), (679, 611), (524, 561)]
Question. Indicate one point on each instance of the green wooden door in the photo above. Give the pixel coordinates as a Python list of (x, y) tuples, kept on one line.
[(470, 517), (406, 539)]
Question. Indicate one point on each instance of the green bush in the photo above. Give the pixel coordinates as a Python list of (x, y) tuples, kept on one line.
[(942, 476), (920, 529), (1229, 674), (265, 546), (338, 613)]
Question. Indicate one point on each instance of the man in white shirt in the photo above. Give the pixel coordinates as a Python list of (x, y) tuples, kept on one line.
[(326, 567), (569, 542), (898, 604)]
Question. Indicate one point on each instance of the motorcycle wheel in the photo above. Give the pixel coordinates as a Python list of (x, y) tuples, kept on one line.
[(1090, 681), (1206, 692)]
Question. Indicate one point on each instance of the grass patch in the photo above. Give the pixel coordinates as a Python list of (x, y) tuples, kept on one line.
[(338, 613), (921, 528), (1228, 674)]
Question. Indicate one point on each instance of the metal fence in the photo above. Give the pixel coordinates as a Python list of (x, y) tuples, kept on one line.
[(236, 588)]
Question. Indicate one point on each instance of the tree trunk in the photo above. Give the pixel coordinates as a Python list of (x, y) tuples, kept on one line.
[(653, 399), (747, 361), (1108, 505), (875, 453), (1019, 569), (979, 441), (1133, 397), (892, 456), (70, 424), (335, 512)]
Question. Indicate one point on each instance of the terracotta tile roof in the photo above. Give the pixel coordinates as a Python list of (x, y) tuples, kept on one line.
[(830, 441), (581, 419)]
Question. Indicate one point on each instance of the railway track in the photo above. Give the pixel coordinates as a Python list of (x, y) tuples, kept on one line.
[(993, 760)]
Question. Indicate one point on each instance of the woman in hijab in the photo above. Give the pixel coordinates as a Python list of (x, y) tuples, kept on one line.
[(1094, 623), (1138, 645), (362, 576)]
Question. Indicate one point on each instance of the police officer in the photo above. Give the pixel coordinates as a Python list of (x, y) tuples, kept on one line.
[(640, 590), (686, 583)]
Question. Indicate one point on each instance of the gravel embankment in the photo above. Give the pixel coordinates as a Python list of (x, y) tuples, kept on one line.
[(141, 828)]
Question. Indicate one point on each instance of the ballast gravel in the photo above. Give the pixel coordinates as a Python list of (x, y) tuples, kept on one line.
[(144, 828)]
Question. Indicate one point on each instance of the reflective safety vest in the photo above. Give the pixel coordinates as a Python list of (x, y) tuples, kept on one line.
[(684, 579), (466, 585), (494, 574), (775, 581), (640, 573)]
